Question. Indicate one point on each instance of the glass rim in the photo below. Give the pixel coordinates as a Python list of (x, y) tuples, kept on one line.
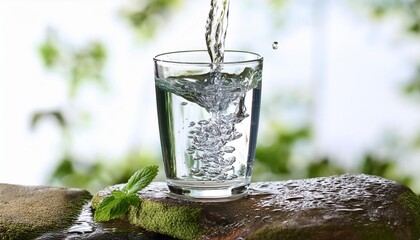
[(157, 58)]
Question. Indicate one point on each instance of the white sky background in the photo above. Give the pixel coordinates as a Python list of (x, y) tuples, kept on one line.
[(358, 101)]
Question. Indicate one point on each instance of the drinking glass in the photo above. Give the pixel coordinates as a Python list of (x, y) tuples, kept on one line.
[(208, 122)]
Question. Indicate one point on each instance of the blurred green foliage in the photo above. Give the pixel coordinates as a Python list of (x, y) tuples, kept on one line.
[(279, 153), (78, 65), (277, 4), (81, 65), (55, 114), (412, 88), (277, 158), (147, 16), (408, 10), (94, 175), (408, 14)]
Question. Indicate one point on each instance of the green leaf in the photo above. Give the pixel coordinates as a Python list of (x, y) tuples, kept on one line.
[(120, 208), (117, 204), (133, 200), (141, 179), (110, 208), (119, 194)]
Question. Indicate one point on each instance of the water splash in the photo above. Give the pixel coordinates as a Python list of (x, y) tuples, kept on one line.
[(211, 143), (84, 223), (211, 149), (216, 28)]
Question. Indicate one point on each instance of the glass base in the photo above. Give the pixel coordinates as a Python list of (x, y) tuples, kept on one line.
[(207, 191)]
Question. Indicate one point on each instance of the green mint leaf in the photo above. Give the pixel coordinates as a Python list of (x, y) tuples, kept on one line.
[(141, 179), (120, 208), (117, 204), (119, 194), (133, 200), (110, 208)]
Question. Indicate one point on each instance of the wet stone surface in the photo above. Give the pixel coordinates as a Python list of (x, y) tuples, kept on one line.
[(50, 213), (339, 207), (29, 211), (85, 228)]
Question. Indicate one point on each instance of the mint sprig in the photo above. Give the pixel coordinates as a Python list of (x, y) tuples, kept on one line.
[(117, 204)]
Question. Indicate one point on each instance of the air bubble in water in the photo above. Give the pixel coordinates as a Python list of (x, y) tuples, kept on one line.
[(228, 149)]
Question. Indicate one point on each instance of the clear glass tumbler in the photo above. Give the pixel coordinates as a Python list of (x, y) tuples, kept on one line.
[(208, 122)]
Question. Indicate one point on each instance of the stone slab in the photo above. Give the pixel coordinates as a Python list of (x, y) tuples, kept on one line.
[(27, 212), (345, 207)]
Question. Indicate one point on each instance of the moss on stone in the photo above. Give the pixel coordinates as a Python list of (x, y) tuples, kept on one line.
[(14, 231), (177, 221), (27, 212), (411, 202), (95, 200)]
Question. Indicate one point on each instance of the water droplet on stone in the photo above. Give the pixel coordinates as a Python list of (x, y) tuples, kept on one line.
[(350, 210)]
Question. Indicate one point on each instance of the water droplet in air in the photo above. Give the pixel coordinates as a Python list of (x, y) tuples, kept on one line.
[(275, 45)]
